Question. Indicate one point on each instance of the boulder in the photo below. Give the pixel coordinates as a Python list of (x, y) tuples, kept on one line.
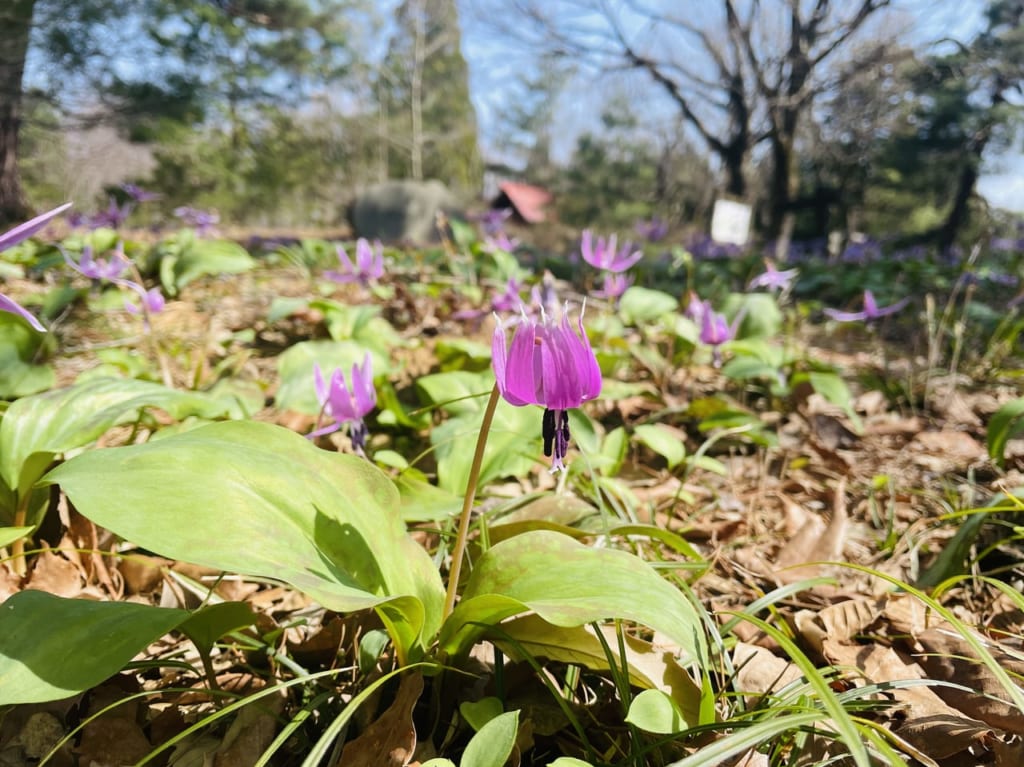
[(402, 210)]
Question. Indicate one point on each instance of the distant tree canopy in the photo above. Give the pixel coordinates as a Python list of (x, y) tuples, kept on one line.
[(258, 107)]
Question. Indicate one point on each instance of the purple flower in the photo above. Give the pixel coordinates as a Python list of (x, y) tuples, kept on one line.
[(548, 364), (11, 238), (139, 194), (715, 330), (872, 311), (500, 241), (510, 300), (614, 286), (344, 403), (97, 268), (369, 265), (653, 230), (773, 279), (203, 221), (152, 300), (21, 232), (604, 254), (493, 220)]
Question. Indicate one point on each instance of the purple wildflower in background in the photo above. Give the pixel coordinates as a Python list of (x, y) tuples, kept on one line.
[(652, 230), (369, 264), (549, 364), (11, 238), (493, 221), (346, 401), (872, 311), (509, 300), (97, 268), (614, 286), (202, 221), (137, 193), (774, 279), (604, 253), (152, 300), (716, 330), (500, 241)]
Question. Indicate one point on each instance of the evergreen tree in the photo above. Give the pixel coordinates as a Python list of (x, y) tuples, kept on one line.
[(427, 116)]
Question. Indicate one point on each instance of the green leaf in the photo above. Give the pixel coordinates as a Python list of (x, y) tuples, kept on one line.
[(639, 306), (663, 442), (834, 389), (9, 535), (614, 448), (423, 502), (493, 744), (20, 346), (478, 713), (51, 647), (1005, 424), (569, 761), (569, 584), (459, 392), (202, 257), (512, 449), (261, 500), (37, 428), (655, 711), (208, 624)]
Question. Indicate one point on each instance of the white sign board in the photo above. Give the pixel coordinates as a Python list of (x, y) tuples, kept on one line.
[(730, 222)]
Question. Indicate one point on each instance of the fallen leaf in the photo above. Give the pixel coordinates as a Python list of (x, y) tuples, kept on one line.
[(390, 740)]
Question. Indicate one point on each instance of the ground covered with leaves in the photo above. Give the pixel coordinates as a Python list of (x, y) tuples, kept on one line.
[(798, 545)]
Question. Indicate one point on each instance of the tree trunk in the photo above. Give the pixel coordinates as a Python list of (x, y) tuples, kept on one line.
[(946, 234), (15, 27)]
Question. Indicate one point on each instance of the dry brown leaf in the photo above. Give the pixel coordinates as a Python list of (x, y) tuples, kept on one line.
[(947, 656), (942, 736), (811, 544), (759, 671), (54, 573), (112, 741), (250, 733), (391, 739)]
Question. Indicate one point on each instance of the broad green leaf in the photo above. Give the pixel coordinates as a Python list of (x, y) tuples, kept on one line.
[(37, 428), (568, 761), (1006, 424), (614, 448), (762, 316), (358, 322), (9, 535), (569, 584), (493, 744), (512, 449), (479, 712), (649, 666), (642, 305), (51, 647), (202, 257), (206, 626), (295, 368), (20, 345), (263, 501), (423, 502), (662, 441), (459, 392), (655, 711)]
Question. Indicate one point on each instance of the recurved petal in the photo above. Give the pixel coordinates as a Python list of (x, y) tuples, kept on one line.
[(21, 232), (13, 307), (522, 367)]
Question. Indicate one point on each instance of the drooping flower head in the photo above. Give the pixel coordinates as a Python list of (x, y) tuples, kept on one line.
[(653, 229), (346, 401), (614, 285), (872, 311), (368, 266), (12, 237), (604, 253), (774, 279), (548, 363), (97, 268), (203, 221), (716, 330)]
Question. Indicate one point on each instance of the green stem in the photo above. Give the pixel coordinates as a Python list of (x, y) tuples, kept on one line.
[(18, 563), (467, 503)]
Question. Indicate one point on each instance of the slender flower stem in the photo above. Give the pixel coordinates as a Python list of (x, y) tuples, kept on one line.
[(467, 503)]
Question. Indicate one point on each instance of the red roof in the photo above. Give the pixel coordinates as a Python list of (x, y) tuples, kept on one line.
[(528, 201)]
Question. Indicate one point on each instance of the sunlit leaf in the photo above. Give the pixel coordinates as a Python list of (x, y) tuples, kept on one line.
[(261, 500)]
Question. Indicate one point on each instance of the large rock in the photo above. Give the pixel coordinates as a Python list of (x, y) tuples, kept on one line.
[(403, 210)]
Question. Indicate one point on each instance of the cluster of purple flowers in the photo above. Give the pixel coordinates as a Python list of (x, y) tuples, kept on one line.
[(367, 268), (11, 238), (346, 402), (605, 255), (203, 221), (111, 270)]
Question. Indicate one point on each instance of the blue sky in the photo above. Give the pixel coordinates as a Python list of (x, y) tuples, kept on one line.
[(494, 64)]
